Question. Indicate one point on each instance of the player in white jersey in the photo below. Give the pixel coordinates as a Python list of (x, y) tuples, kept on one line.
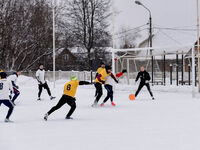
[(109, 87), (40, 76), (5, 88), (13, 79)]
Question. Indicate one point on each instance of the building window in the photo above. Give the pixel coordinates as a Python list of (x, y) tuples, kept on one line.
[(66, 56)]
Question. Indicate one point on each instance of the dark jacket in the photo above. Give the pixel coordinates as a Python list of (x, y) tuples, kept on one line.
[(144, 76)]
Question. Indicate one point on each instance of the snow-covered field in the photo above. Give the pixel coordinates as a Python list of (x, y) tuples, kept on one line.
[(171, 122)]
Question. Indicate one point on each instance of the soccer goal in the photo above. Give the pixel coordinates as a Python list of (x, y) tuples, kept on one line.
[(172, 65)]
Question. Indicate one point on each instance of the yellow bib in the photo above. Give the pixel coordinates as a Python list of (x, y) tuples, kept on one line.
[(104, 76), (100, 69), (70, 88)]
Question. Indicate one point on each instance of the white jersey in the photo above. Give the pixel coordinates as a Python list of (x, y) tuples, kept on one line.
[(40, 76), (109, 81), (13, 78), (5, 88)]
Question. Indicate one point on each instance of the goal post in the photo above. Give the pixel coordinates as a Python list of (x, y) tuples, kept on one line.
[(175, 55)]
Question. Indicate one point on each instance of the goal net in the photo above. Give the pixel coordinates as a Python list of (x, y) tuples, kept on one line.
[(166, 65)]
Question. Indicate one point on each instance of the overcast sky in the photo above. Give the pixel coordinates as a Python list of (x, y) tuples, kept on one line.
[(166, 13)]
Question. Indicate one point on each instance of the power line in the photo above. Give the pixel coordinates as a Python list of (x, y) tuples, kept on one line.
[(176, 29), (131, 34), (123, 32), (170, 37)]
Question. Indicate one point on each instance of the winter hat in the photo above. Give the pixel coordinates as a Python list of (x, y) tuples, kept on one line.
[(124, 70), (73, 78), (102, 63)]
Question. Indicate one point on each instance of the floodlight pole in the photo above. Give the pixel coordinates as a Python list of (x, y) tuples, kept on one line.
[(198, 42), (150, 37), (54, 46), (113, 38)]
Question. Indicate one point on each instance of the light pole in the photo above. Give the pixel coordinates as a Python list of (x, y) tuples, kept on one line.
[(150, 35), (54, 46)]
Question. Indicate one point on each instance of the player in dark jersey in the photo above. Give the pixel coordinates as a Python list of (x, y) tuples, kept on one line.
[(145, 78)]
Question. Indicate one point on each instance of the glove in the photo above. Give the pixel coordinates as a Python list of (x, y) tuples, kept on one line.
[(124, 71), (116, 81), (17, 87), (74, 98), (40, 82), (147, 81)]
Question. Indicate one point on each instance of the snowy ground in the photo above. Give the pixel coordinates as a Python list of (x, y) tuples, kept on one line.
[(171, 122)]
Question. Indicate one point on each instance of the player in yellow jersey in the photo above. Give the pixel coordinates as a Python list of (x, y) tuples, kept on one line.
[(100, 69), (100, 79), (68, 97)]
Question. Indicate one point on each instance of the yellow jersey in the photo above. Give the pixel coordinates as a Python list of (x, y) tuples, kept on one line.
[(70, 88), (100, 69), (0, 72), (103, 77)]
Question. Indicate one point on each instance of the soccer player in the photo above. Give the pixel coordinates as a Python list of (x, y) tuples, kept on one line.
[(98, 72), (144, 81), (5, 88), (109, 87), (100, 79), (68, 97), (40, 76), (13, 79)]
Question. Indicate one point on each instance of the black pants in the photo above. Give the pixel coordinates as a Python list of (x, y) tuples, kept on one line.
[(9, 104), (65, 99), (141, 86), (109, 89), (45, 86), (99, 91), (16, 94)]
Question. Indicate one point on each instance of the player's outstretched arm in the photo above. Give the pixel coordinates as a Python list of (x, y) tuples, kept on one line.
[(138, 75), (84, 83), (114, 78)]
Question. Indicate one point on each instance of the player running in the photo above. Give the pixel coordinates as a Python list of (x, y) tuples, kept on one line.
[(68, 97), (109, 87), (144, 80), (5, 88), (13, 79), (98, 72), (40, 76), (100, 79)]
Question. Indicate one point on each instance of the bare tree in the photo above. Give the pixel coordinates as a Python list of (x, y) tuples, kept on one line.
[(127, 37), (25, 33), (87, 20)]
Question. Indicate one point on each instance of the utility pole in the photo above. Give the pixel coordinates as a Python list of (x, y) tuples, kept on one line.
[(151, 44), (150, 38)]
